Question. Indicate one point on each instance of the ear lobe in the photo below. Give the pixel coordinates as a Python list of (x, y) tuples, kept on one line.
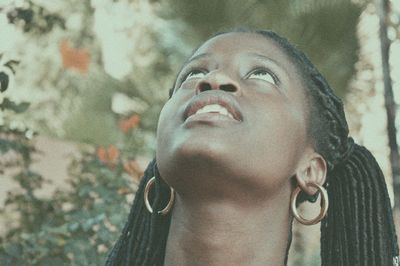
[(313, 170)]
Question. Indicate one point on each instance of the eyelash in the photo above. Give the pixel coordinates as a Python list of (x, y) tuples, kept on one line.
[(190, 71), (186, 74), (263, 69)]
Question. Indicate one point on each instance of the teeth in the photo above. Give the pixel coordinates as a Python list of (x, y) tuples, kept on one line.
[(214, 108)]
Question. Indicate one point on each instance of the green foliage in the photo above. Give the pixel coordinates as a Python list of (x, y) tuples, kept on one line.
[(91, 120), (74, 227), (35, 18), (10, 105)]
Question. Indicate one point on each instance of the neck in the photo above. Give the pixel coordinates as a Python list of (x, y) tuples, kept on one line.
[(223, 233)]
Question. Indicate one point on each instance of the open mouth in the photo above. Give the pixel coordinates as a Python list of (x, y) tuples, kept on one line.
[(214, 108), (215, 103)]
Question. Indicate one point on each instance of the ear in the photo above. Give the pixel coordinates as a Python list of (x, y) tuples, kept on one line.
[(311, 169)]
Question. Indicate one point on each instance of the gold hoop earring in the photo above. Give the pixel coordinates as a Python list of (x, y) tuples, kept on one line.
[(146, 198), (324, 205)]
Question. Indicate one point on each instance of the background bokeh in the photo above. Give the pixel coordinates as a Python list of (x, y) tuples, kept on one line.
[(82, 84)]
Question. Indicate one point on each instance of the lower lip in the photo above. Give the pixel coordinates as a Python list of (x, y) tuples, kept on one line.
[(210, 117)]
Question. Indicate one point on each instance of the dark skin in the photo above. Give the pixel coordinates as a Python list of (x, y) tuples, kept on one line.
[(233, 176)]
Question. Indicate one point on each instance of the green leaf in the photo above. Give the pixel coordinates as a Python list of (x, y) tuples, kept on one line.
[(5, 145), (7, 260), (73, 227), (13, 249), (89, 223), (61, 230), (17, 108)]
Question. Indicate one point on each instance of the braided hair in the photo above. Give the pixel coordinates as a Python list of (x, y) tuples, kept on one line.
[(359, 227)]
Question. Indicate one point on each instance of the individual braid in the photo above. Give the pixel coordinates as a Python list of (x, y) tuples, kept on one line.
[(359, 227), (143, 238)]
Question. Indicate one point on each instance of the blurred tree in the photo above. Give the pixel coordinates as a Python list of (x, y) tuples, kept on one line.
[(324, 30), (383, 10)]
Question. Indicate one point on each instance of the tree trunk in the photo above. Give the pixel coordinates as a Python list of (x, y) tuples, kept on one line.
[(390, 105)]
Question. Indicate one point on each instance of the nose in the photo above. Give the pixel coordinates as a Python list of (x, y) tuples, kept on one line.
[(217, 81)]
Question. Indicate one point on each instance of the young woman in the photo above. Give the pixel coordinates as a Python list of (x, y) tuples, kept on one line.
[(252, 129)]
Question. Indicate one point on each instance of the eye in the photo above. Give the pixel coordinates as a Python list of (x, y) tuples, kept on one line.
[(262, 74), (195, 74)]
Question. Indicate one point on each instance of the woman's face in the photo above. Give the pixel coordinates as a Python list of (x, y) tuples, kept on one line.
[(237, 118)]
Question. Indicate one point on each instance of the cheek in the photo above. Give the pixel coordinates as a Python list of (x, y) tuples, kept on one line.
[(168, 126), (278, 148), (280, 141), (165, 122), (164, 136)]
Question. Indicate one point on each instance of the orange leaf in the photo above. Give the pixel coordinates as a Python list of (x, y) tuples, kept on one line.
[(126, 124), (113, 153), (123, 190), (134, 121), (101, 154), (133, 169), (74, 58), (123, 126), (109, 155)]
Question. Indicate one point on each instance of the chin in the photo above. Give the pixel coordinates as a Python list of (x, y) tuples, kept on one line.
[(192, 160), (198, 152)]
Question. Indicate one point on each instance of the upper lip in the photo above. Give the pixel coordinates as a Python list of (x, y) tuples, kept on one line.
[(204, 98)]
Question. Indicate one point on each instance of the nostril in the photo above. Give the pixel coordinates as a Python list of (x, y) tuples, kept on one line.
[(228, 87), (205, 86)]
